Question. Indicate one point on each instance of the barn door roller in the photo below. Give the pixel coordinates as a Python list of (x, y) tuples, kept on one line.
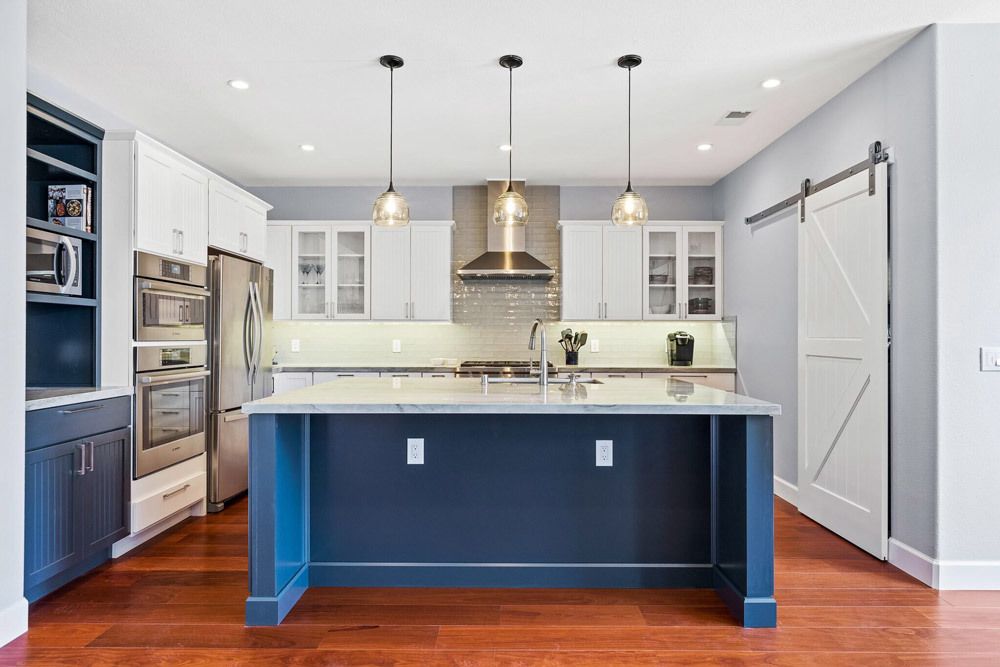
[(876, 155)]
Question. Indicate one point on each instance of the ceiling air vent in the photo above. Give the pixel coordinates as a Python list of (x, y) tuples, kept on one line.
[(734, 118)]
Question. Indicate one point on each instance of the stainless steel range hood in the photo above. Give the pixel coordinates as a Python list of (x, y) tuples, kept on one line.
[(506, 257)]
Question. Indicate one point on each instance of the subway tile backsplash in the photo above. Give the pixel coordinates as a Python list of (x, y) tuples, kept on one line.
[(491, 320)]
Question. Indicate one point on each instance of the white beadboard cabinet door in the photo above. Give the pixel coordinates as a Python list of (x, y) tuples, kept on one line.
[(390, 278), (582, 272), (430, 273), (279, 259), (622, 283), (254, 217), (191, 193), (225, 210), (156, 226)]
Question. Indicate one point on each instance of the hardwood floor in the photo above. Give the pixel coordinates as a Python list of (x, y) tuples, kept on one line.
[(179, 600)]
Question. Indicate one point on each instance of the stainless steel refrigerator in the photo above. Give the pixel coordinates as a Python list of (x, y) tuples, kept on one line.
[(240, 361)]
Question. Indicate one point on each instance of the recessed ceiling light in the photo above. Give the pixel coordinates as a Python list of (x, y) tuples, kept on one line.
[(238, 84), (505, 147), (705, 147), (770, 83), (308, 148)]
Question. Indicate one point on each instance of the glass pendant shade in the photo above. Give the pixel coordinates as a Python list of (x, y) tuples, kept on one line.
[(629, 209), (510, 209), (391, 210)]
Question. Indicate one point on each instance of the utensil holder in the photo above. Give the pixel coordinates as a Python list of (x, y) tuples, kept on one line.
[(572, 358)]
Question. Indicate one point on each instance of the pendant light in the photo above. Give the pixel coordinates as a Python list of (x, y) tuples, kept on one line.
[(630, 208), (510, 208), (391, 209)]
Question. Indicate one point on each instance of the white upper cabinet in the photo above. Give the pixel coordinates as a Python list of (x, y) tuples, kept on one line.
[(411, 272), (601, 272), (180, 208), (683, 271), (330, 271), (237, 220), (171, 204), (279, 259), (391, 277), (430, 273)]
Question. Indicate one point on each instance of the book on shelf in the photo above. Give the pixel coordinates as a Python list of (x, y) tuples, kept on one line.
[(71, 206)]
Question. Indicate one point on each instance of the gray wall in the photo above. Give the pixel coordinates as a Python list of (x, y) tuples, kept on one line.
[(895, 103), (13, 607), (664, 202), (968, 272), (350, 203)]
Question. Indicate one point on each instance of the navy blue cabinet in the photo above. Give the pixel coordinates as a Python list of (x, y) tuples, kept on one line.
[(76, 493), (52, 532)]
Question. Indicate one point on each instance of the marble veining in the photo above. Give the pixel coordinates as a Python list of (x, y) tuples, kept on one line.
[(466, 395)]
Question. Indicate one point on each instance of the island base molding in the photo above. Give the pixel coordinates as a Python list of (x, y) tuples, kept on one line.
[(511, 501)]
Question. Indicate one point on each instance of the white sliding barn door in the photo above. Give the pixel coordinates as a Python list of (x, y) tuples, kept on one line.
[(843, 362)]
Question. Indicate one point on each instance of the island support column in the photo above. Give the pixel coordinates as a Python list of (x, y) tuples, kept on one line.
[(279, 516), (743, 517)]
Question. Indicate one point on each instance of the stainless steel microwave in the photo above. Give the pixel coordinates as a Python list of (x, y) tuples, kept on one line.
[(171, 300), (52, 263)]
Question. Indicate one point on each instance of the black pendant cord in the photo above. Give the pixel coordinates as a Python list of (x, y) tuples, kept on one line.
[(628, 187), (510, 129), (391, 88)]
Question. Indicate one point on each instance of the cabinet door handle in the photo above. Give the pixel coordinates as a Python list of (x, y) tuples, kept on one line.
[(176, 491), (82, 470), (90, 468), (411, 310), (605, 310), (598, 310), (73, 411)]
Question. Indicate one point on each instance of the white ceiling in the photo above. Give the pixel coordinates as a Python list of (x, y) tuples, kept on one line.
[(314, 75)]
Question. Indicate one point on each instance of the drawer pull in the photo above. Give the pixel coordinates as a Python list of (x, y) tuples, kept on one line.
[(88, 408), (235, 418), (176, 491), (688, 375)]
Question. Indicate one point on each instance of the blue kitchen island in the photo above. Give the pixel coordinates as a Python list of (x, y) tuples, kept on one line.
[(513, 489)]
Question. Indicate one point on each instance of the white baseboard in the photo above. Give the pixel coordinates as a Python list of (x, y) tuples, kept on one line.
[(945, 575), (13, 621), (786, 490), (126, 544)]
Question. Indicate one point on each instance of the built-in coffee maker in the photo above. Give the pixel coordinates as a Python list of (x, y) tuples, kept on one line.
[(681, 346)]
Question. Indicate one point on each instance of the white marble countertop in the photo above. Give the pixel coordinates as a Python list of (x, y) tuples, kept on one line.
[(466, 395), (413, 368), (53, 397)]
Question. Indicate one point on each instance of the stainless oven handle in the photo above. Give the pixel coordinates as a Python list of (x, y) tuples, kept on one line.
[(171, 289), (163, 379)]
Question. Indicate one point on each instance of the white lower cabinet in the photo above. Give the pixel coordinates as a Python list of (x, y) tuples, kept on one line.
[(285, 382), (411, 272), (329, 376), (724, 381)]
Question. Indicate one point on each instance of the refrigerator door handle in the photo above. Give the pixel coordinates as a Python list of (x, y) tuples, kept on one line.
[(259, 325), (248, 314)]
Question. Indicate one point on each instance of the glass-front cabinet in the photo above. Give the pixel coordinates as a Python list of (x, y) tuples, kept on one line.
[(683, 271), (331, 272)]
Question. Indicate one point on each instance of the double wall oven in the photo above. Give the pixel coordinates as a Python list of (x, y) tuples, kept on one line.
[(171, 362)]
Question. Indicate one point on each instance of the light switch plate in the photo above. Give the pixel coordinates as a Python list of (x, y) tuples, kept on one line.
[(296, 345), (415, 451), (397, 345), (595, 345), (989, 358)]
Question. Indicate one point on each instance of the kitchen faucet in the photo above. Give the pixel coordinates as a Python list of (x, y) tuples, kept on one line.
[(543, 356)]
